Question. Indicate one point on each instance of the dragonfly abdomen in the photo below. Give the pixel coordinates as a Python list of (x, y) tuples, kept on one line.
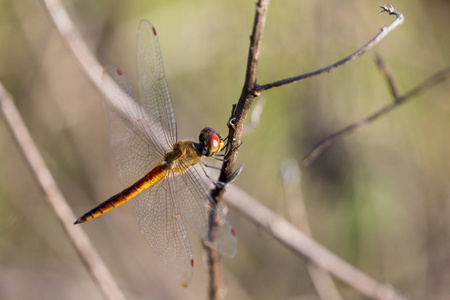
[(154, 176)]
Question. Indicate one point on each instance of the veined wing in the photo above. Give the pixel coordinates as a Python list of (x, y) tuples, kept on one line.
[(154, 93), (196, 206), (136, 150), (162, 225)]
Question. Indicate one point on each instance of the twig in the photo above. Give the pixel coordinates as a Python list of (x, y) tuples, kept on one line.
[(92, 261), (73, 38), (431, 81), (381, 35), (236, 125), (390, 79), (291, 178), (248, 94), (93, 69), (301, 244)]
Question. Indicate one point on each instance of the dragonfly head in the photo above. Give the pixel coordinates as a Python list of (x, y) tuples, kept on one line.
[(210, 142)]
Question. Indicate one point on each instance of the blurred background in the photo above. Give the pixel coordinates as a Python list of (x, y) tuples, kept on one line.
[(379, 199)]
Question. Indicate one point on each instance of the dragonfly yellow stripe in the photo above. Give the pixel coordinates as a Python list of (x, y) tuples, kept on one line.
[(154, 176)]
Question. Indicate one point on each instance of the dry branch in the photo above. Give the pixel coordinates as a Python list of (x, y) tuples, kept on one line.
[(89, 256), (235, 126), (389, 78), (301, 244), (398, 100), (72, 37), (381, 35)]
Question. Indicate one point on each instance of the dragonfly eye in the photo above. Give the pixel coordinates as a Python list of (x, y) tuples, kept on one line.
[(211, 141)]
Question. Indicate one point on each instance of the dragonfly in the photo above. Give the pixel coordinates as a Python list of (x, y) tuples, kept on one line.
[(156, 169)]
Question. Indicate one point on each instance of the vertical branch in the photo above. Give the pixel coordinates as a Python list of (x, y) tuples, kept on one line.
[(235, 126), (92, 261), (215, 290), (248, 94), (255, 45)]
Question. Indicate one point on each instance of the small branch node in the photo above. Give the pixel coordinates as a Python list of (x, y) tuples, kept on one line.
[(233, 110), (232, 123), (389, 9), (255, 93)]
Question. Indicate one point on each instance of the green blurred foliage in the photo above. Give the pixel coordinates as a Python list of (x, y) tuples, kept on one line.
[(378, 198)]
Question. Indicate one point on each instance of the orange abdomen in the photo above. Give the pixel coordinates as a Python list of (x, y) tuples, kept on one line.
[(154, 176)]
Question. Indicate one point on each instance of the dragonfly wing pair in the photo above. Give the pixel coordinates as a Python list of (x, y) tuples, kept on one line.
[(142, 132)]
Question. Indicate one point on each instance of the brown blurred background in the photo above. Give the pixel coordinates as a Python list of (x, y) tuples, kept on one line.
[(380, 199)]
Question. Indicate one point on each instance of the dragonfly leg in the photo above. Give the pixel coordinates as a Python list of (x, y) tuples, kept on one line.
[(221, 184), (210, 166), (236, 149), (217, 183), (220, 158), (226, 147)]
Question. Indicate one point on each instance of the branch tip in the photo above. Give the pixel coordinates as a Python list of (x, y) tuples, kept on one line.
[(387, 8), (369, 45)]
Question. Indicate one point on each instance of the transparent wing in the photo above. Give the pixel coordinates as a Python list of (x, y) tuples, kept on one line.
[(195, 207), (153, 90), (162, 226), (136, 145)]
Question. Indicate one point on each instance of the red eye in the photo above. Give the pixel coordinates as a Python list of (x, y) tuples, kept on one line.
[(214, 142), (211, 141)]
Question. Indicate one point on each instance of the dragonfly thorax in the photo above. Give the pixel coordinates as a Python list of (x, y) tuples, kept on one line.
[(210, 142), (182, 150)]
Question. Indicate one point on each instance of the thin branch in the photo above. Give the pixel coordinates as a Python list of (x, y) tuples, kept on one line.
[(291, 178), (93, 69), (70, 34), (428, 83), (381, 35), (90, 258), (255, 45), (301, 244), (235, 125), (248, 94), (390, 79)]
